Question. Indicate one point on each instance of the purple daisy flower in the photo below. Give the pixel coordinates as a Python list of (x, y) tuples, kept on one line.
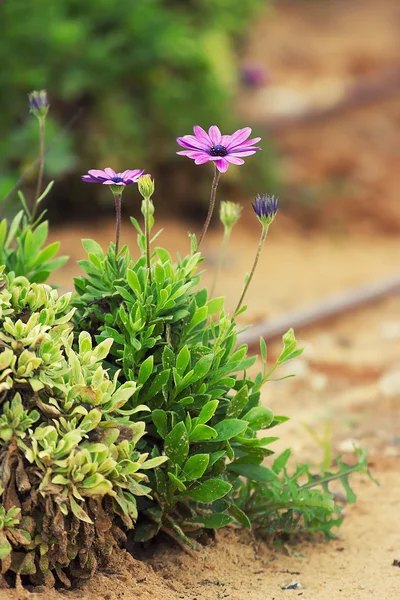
[(110, 177), (223, 149)]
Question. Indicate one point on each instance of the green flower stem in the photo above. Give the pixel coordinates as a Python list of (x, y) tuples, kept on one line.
[(41, 166), (117, 197), (260, 245), (221, 256), (214, 186), (147, 235)]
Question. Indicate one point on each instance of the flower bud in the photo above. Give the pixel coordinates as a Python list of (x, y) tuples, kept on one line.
[(146, 186), (39, 103), (229, 213), (265, 207)]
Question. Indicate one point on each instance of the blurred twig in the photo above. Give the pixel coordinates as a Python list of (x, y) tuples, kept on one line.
[(360, 94), (321, 311)]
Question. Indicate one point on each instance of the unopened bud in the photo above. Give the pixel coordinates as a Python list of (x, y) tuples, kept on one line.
[(39, 103), (146, 186), (229, 213)]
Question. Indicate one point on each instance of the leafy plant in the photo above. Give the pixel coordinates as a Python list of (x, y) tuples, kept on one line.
[(181, 349), (70, 472), (277, 502)]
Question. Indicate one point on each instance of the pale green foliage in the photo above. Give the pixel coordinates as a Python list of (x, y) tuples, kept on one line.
[(67, 439)]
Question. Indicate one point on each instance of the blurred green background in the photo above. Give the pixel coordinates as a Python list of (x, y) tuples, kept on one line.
[(124, 79)]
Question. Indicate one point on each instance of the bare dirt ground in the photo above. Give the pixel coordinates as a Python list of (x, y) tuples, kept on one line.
[(348, 379), (345, 170)]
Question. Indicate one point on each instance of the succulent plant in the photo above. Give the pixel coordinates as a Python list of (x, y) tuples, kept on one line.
[(69, 469)]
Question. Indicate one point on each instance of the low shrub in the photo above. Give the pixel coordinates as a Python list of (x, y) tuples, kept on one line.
[(139, 338), (69, 468)]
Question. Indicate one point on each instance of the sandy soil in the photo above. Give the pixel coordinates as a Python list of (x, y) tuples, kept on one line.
[(349, 377)]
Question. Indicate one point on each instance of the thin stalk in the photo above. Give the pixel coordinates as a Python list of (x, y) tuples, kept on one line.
[(212, 204), (147, 234), (221, 256), (117, 198), (260, 245), (41, 166)]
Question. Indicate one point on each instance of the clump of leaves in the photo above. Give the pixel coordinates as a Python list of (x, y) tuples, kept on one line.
[(70, 472), (277, 502)]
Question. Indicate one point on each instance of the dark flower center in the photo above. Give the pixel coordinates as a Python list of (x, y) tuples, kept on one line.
[(117, 179), (218, 150)]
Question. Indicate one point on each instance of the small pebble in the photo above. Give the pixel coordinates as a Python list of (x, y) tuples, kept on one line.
[(294, 585)]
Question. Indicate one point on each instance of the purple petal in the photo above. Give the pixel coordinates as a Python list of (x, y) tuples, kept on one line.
[(193, 153), (238, 137), (132, 175), (222, 165), (192, 143), (202, 136), (215, 135), (90, 179), (97, 173), (250, 142), (202, 158), (110, 172), (234, 160), (241, 153), (225, 140)]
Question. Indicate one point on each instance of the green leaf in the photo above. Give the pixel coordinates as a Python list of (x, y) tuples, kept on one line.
[(207, 412), (215, 521), (259, 417), (159, 381), (182, 360), (46, 191), (201, 433), (134, 282), (263, 349), (280, 462), (168, 358), (202, 367), (215, 305), (239, 516), (176, 444), (46, 254), (146, 369), (145, 532), (176, 481), (93, 247), (199, 316), (152, 463), (195, 466), (229, 428), (238, 402), (78, 511), (210, 490), (159, 418), (13, 228)]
